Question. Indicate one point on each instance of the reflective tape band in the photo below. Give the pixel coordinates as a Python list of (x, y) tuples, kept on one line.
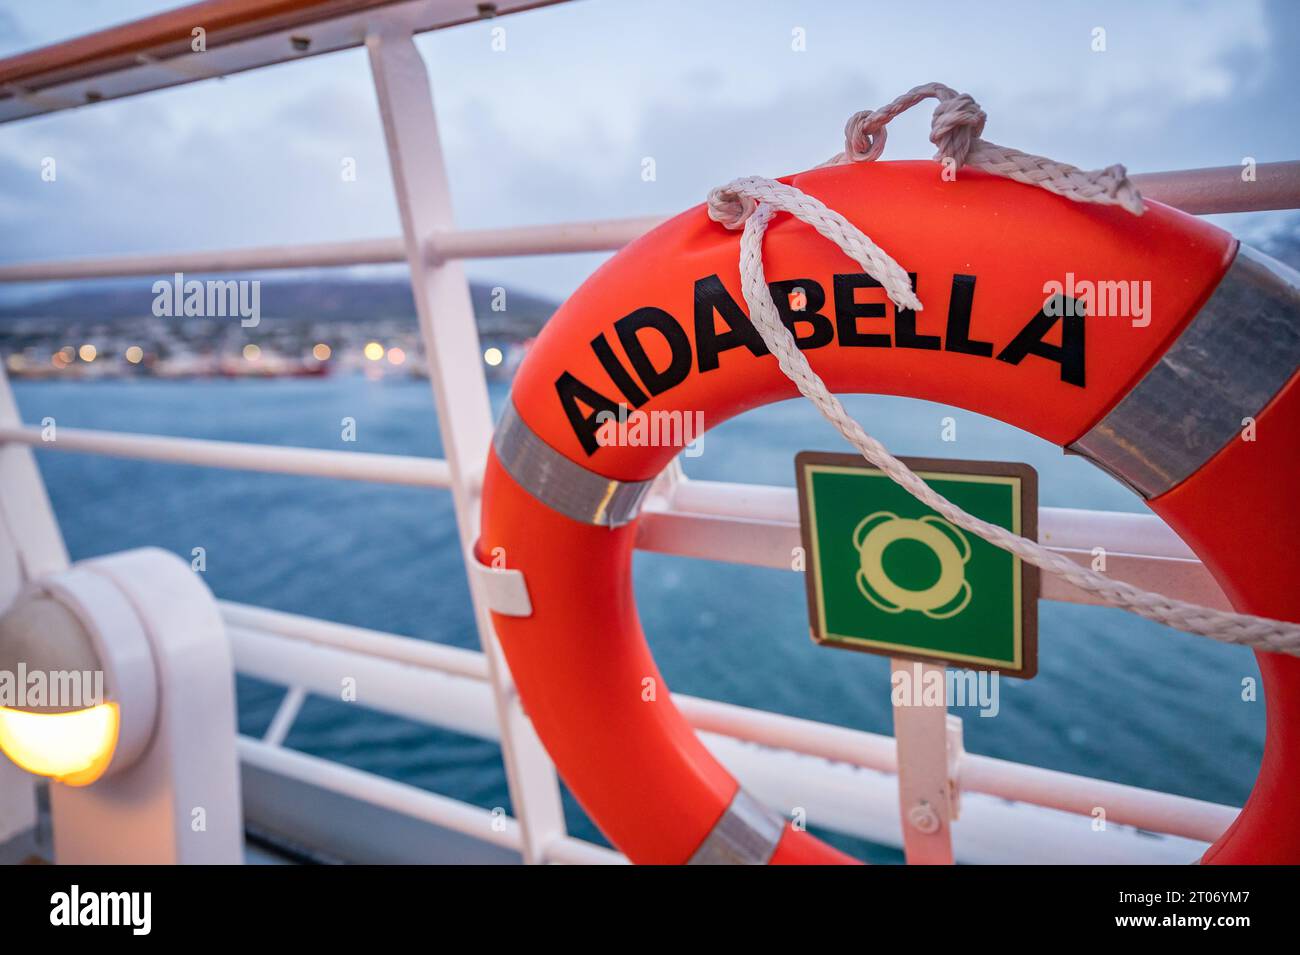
[(1231, 360), (746, 834), (559, 483)]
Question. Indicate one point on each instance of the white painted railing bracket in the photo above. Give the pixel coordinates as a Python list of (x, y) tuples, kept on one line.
[(504, 588)]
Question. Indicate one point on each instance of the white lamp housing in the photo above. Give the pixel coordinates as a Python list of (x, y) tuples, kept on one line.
[(149, 773)]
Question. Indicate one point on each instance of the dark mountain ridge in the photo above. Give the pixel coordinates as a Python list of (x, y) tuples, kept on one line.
[(289, 300)]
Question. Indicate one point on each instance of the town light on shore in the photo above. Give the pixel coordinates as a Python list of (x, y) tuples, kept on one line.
[(252, 352), (374, 351), (493, 356), (88, 352), (135, 354), (321, 352), (396, 356)]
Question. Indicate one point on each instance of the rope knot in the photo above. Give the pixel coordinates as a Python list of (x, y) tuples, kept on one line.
[(865, 134), (957, 129), (730, 207), (958, 122), (1114, 184)]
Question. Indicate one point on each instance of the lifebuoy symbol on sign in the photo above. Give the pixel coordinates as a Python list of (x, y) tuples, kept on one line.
[(946, 597)]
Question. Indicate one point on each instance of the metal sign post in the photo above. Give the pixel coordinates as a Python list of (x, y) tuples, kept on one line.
[(925, 785)]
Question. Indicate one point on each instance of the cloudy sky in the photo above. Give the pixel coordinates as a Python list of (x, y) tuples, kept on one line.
[(556, 126)]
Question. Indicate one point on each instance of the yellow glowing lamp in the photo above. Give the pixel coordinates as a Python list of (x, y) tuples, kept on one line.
[(62, 669), (88, 654), (73, 747)]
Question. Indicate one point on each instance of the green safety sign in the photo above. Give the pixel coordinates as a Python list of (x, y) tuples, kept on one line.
[(887, 574)]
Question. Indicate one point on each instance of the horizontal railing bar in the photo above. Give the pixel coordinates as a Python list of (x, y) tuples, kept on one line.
[(603, 236), (465, 706), (758, 525), (836, 743), (735, 523), (607, 235), (378, 791), (315, 255), (1272, 185), (408, 470), (1220, 189), (1049, 788), (862, 802), (842, 798), (413, 802), (155, 52), (420, 693), (1084, 795), (1068, 528), (453, 661)]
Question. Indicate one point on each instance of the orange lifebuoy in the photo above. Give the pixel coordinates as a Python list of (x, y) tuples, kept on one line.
[(662, 327)]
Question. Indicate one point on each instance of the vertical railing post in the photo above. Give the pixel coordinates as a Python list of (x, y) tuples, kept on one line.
[(446, 314), (31, 547), (925, 790)]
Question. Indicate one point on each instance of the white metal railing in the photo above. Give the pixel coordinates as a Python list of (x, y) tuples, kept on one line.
[(448, 687), (843, 777), (736, 523), (1250, 187), (1200, 191), (272, 459), (284, 32), (481, 824), (759, 525), (603, 236)]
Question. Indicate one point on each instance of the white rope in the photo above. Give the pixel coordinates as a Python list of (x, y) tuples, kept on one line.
[(958, 122)]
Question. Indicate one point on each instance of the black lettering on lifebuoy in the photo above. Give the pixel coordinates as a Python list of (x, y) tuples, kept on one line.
[(1068, 354), (710, 297), (679, 364), (571, 392), (959, 304), (811, 327), (617, 373), (905, 333), (823, 331), (848, 310)]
